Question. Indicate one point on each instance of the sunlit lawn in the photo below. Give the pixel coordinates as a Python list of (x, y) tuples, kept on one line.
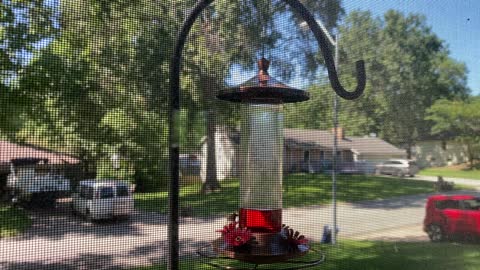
[(299, 190), (356, 255), (12, 221), (453, 171)]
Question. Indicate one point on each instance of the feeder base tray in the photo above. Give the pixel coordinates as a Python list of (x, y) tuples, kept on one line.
[(259, 256)]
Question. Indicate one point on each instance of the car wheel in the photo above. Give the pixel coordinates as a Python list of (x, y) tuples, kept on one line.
[(400, 173), (435, 233)]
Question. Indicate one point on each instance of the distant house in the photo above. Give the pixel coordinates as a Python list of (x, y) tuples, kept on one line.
[(9, 151), (307, 150), (438, 152)]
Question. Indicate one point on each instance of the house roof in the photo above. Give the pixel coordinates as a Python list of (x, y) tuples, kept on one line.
[(323, 139), (313, 138), (373, 145), (10, 151), (359, 145)]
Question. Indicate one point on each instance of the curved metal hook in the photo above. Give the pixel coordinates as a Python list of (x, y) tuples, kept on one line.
[(327, 55), (309, 19)]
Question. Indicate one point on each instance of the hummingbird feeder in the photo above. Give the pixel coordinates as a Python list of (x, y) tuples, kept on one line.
[(258, 235)]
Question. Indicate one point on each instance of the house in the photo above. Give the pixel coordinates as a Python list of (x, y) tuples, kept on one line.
[(54, 160), (439, 152), (9, 151), (307, 150)]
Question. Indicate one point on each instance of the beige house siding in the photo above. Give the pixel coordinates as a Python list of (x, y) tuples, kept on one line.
[(294, 158), (376, 159), (226, 157), (355, 153), (435, 153)]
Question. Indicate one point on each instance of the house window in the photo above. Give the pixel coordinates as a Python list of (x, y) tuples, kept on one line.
[(306, 156), (339, 155), (347, 156), (322, 155)]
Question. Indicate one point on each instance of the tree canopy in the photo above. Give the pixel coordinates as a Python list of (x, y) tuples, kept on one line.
[(458, 119), (91, 77), (23, 25), (98, 87), (408, 68)]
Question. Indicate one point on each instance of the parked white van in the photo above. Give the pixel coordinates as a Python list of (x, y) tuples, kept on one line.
[(102, 199)]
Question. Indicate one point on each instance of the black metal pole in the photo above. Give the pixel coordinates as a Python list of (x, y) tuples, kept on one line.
[(174, 108), (174, 123)]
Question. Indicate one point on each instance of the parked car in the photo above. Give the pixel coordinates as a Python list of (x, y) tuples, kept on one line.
[(189, 164), (397, 167), (450, 216), (103, 199)]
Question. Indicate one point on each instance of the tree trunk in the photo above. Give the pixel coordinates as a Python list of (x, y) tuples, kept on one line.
[(409, 150), (208, 83), (211, 181), (471, 155)]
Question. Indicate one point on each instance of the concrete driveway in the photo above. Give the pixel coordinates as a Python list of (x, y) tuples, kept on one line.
[(58, 240)]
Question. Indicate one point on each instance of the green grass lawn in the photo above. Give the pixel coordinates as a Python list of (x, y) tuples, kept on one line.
[(361, 255), (12, 221), (452, 171), (299, 190)]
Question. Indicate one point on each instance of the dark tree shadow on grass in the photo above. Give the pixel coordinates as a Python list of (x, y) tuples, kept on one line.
[(142, 256), (58, 225)]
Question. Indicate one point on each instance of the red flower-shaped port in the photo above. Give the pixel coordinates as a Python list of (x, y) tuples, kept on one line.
[(293, 238), (228, 228), (299, 241), (235, 236), (238, 237)]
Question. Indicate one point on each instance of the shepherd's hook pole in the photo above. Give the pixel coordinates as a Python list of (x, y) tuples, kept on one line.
[(335, 150)]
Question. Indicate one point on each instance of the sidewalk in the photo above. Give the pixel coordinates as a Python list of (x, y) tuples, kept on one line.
[(409, 233), (458, 181)]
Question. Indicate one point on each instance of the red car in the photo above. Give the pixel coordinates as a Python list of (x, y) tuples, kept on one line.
[(449, 216)]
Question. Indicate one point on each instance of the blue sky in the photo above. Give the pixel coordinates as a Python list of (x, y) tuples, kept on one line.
[(457, 22)]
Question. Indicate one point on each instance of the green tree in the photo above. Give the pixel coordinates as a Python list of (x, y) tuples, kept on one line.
[(459, 119), (236, 32), (23, 25), (103, 92), (408, 68), (411, 54)]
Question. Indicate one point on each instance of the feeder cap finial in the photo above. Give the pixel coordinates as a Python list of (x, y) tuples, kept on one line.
[(263, 65)]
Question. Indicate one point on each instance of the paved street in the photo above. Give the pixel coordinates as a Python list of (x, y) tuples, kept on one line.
[(58, 240)]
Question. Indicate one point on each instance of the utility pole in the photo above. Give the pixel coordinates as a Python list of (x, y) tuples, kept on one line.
[(334, 43)]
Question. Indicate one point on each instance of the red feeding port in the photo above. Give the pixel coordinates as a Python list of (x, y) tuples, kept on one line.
[(260, 220)]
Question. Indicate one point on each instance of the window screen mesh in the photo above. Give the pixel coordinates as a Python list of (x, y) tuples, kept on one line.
[(84, 136)]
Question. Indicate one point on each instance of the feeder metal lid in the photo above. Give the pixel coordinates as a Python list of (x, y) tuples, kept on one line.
[(263, 89)]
